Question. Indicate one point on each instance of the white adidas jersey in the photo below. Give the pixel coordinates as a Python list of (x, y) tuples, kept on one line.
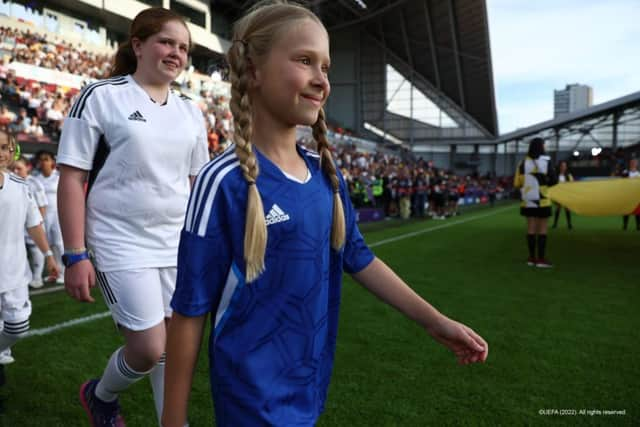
[(139, 155), (18, 211), (39, 196), (50, 185), (37, 191)]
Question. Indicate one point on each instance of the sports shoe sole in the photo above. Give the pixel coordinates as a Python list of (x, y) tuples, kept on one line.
[(85, 404), (6, 360)]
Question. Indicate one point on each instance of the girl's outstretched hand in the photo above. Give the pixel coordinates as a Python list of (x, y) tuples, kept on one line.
[(468, 346)]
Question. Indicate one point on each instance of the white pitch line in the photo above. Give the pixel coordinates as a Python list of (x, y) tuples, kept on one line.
[(78, 321), (437, 227), (46, 290), (67, 324)]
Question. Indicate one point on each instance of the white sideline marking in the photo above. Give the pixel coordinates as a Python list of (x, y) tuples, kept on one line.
[(46, 290), (67, 324), (437, 227), (78, 321)]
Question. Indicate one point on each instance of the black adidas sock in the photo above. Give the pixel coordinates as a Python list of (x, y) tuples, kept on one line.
[(542, 243), (531, 243), (625, 221)]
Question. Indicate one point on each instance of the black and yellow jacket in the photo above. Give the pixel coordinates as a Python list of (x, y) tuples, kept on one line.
[(533, 178)]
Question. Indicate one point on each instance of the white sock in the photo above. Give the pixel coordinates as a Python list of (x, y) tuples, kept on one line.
[(57, 254), (117, 376), (37, 262), (157, 385)]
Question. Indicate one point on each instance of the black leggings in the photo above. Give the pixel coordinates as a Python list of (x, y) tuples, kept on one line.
[(557, 214), (625, 221)]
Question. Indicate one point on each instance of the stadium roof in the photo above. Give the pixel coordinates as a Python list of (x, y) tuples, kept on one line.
[(596, 111), (444, 41)]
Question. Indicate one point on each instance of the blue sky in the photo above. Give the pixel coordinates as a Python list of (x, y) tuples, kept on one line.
[(541, 45)]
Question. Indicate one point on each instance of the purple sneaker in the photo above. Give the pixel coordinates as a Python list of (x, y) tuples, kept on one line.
[(101, 414)]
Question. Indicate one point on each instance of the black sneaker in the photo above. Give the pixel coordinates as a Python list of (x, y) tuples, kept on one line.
[(101, 414)]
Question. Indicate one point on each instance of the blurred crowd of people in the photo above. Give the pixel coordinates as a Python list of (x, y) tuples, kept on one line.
[(402, 187), (34, 49), (405, 187), (41, 109)]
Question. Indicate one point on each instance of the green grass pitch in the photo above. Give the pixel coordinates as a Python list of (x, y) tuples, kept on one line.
[(565, 338)]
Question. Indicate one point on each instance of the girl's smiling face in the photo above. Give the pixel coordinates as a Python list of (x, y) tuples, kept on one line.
[(291, 84)]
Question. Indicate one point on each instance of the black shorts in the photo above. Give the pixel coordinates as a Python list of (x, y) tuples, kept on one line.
[(536, 212)]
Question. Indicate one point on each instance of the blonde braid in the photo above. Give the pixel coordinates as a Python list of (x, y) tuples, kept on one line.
[(329, 168), (255, 230)]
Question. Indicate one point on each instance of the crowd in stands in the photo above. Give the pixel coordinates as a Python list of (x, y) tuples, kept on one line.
[(406, 187), (33, 111), (401, 186), (34, 49)]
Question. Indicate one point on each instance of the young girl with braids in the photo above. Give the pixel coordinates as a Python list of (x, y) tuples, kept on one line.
[(268, 233)]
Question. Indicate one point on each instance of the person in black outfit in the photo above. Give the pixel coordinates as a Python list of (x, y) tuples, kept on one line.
[(563, 176)]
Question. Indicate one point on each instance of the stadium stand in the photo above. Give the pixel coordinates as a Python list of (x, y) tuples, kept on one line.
[(41, 73)]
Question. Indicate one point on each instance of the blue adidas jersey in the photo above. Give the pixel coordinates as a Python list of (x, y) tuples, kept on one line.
[(273, 341)]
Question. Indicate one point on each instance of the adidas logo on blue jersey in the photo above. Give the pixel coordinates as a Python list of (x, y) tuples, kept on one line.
[(137, 116), (276, 215)]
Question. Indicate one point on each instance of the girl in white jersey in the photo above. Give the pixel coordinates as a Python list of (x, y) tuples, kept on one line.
[(22, 168), (17, 212), (49, 178), (291, 209), (137, 145)]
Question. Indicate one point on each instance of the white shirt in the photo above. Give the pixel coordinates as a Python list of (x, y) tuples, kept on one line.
[(39, 197), (37, 191), (34, 130), (50, 185), (17, 211), (138, 198), (55, 115), (634, 174)]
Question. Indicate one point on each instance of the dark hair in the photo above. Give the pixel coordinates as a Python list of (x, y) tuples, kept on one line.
[(145, 24), (45, 153), (536, 148)]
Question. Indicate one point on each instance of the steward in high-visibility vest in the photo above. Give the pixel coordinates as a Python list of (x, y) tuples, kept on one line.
[(378, 189)]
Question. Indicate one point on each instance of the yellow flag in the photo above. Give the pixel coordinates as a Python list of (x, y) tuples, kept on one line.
[(616, 196)]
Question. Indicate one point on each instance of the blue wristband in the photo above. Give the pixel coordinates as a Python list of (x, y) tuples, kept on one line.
[(68, 259)]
